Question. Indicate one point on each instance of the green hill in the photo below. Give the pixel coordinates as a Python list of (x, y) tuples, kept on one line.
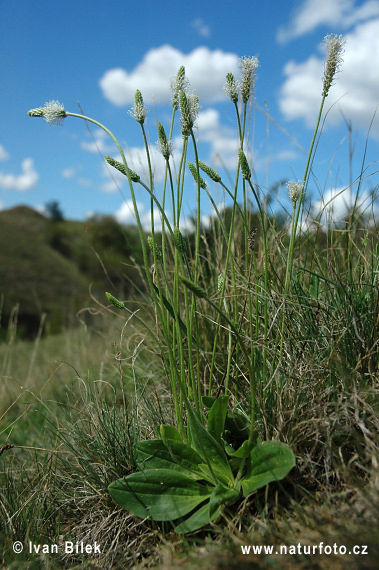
[(48, 266)]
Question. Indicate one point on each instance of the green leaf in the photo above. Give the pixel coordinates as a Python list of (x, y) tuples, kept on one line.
[(269, 461), (198, 519), (162, 494), (235, 422), (208, 401), (169, 432), (173, 455), (210, 511), (314, 286), (222, 497), (238, 425), (217, 416), (209, 474), (212, 452), (243, 451)]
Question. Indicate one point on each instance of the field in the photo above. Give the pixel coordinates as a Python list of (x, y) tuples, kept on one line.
[(230, 400)]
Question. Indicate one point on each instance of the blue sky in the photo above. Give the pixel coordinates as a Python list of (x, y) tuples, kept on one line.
[(99, 52)]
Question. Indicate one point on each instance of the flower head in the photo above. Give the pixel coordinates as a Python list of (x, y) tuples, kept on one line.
[(189, 109), (138, 111), (198, 179), (249, 67), (231, 88), (245, 168), (295, 188), (53, 112), (177, 84), (165, 146), (334, 49)]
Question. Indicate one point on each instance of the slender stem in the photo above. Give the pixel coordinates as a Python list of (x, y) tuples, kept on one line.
[(295, 220)]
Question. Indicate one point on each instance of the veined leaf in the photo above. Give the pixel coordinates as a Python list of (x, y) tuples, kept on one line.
[(210, 475), (210, 511), (269, 461), (243, 451), (235, 422), (169, 432), (173, 455), (208, 401), (198, 519), (211, 451), (222, 497), (162, 494), (216, 417)]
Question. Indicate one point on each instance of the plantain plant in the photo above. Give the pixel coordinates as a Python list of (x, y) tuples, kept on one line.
[(194, 470), (191, 484)]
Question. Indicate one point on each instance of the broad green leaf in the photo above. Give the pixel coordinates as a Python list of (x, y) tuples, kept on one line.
[(209, 475), (208, 401), (243, 451), (216, 417), (175, 455), (199, 519), (220, 498), (236, 421), (162, 494), (169, 432), (269, 461), (210, 511), (212, 452)]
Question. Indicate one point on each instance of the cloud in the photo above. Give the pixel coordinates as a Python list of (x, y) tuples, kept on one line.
[(99, 143), (205, 69), (223, 140), (137, 161), (218, 142), (356, 86), (4, 155), (23, 182), (202, 29), (337, 204), (313, 13), (68, 172), (125, 215), (335, 207)]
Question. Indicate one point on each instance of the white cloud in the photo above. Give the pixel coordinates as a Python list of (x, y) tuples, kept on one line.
[(222, 140), (137, 161), (68, 172), (205, 69), (313, 13), (99, 143), (356, 87), (287, 155), (335, 207), (202, 29), (23, 182), (125, 215), (4, 155), (337, 203)]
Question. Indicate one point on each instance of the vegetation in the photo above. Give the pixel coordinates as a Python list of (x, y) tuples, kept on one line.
[(240, 404), (51, 266)]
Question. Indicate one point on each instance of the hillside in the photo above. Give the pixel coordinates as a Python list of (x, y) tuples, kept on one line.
[(49, 266)]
